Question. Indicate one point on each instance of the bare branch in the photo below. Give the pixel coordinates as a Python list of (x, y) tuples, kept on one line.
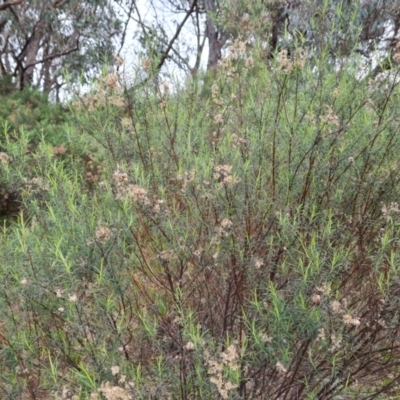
[(9, 4), (166, 52), (129, 17), (55, 55)]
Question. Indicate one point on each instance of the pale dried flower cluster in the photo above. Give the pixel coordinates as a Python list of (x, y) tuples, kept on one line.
[(73, 298), (330, 117), (103, 233), (115, 370), (109, 81), (318, 294), (223, 173), (336, 341), (224, 229), (321, 334), (186, 178), (266, 338), (238, 141), (287, 64), (349, 320), (249, 62), (59, 150), (189, 346), (5, 158), (235, 52), (215, 94), (280, 368), (146, 64), (137, 193), (336, 307), (316, 298), (112, 392), (218, 119), (118, 60), (237, 49), (164, 89), (166, 256), (127, 191), (37, 183), (107, 92), (216, 367)]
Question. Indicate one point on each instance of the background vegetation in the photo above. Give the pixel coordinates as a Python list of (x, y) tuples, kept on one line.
[(233, 235)]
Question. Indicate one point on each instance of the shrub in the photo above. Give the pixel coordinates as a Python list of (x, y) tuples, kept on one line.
[(236, 246)]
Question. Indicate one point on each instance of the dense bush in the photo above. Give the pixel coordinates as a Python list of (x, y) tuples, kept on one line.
[(28, 120), (241, 245)]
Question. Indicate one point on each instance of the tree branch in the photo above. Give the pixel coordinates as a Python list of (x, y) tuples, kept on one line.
[(54, 55), (9, 4), (166, 52)]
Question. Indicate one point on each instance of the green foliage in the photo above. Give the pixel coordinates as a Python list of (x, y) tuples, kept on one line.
[(28, 122), (241, 245), (30, 110)]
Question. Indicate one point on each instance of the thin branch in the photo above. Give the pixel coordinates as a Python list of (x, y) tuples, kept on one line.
[(54, 55), (9, 4), (166, 52), (131, 9)]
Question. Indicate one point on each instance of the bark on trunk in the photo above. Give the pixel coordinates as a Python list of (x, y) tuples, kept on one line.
[(216, 39)]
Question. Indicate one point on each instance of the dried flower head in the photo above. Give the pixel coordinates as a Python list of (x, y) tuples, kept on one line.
[(226, 223), (103, 233), (330, 117), (146, 64), (336, 341), (280, 368), (109, 81), (137, 193), (113, 392), (266, 338), (249, 62), (5, 158), (223, 174), (316, 298), (300, 57), (238, 141), (321, 334), (59, 150), (115, 370), (73, 298), (117, 101), (228, 359), (36, 184), (222, 171), (118, 60), (189, 346), (218, 119), (349, 320), (336, 307)]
